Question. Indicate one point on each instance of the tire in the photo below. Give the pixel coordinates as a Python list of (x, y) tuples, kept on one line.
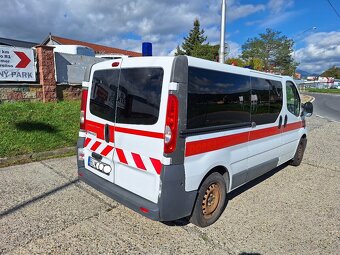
[(210, 202), (296, 161)]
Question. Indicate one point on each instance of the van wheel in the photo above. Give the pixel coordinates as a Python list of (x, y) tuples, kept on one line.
[(210, 202), (296, 161)]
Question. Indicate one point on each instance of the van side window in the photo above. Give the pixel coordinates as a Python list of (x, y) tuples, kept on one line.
[(217, 98), (293, 99), (266, 100)]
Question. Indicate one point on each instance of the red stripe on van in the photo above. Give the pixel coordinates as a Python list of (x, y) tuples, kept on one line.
[(206, 145), (111, 129), (95, 127), (139, 132), (263, 133), (95, 146), (157, 165), (98, 128), (87, 141), (293, 126), (107, 150), (121, 156), (212, 144), (138, 160)]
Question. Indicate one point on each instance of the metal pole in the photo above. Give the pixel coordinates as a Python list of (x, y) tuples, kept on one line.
[(221, 55)]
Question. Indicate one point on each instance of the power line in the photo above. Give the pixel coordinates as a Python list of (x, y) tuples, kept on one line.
[(333, 8)]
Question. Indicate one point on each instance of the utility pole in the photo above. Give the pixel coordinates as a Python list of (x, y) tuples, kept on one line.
[(222, 44)]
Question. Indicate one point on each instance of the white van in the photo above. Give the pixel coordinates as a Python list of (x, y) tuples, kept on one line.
[(169, 137)]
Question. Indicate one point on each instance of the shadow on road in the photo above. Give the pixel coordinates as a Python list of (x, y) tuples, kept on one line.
[(37, 198)]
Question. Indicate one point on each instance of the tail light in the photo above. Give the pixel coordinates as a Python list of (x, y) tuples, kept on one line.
[(171, 125), (84, 93), (143, 209)]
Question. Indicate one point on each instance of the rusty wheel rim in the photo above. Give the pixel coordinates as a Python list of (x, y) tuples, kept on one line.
[(211, 200)]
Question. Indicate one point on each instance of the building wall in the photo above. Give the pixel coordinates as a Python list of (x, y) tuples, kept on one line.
[(70, 68), (20, 92), (29, 92)]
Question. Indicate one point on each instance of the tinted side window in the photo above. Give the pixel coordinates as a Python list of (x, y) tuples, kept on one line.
[(293, 99), (139, 95), (266, 100), (276, 98), (217, 98), (104, 93)]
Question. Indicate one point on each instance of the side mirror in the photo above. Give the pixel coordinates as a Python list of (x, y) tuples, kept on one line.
[(307, 109)]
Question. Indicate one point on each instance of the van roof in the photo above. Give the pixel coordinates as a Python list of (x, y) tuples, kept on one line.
[(203, 63), (226, 67)]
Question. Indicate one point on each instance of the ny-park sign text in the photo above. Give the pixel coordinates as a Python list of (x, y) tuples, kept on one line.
[(17, 64)]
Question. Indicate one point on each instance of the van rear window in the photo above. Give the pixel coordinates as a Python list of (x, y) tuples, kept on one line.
[(130, 96)]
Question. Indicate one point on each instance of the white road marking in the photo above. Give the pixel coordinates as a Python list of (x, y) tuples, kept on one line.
[(322, 117)]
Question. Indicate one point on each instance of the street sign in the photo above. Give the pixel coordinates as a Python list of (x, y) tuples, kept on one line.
[(16, 64)]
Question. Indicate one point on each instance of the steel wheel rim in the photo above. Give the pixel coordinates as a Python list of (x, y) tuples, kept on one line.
[(211, 200)]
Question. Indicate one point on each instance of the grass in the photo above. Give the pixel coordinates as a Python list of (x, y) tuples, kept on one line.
[(28, 127), (332, 91)]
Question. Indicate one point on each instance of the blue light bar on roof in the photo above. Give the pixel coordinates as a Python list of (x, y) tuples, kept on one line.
[(147, 49)]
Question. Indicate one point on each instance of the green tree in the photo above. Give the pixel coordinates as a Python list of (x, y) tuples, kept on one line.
[(273, 51), (256, 64), (206, 51), (193, 45), (236, 62), (193, 40), (332, 72)]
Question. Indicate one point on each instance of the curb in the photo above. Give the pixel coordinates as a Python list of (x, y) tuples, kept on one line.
[(37, 156)]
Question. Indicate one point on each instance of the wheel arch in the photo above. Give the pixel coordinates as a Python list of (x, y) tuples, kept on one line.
[(221, 170)]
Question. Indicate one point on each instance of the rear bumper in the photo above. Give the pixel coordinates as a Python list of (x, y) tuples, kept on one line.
[(174, 202), (125, 197)]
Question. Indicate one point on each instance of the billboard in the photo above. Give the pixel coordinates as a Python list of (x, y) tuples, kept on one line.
[(16, 64)]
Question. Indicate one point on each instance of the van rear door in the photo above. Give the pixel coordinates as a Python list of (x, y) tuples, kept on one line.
[(100, 119), (140, 122)]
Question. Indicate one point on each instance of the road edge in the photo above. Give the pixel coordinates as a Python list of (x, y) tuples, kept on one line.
[(37, 156)]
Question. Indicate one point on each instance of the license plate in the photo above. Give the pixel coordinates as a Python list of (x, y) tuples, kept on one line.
[(100, 166)]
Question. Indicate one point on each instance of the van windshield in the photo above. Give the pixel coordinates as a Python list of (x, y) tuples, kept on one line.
[(130, 96)]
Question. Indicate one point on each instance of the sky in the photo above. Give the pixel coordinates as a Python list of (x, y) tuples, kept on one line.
[(126, 24)]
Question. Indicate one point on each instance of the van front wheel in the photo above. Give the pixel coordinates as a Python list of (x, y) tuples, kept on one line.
[(210, 202), (296, 161)]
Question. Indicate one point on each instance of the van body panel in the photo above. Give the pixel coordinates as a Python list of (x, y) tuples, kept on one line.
[(205, 156)]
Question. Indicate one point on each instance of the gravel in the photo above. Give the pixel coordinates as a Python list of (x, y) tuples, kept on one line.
[(291, 210)]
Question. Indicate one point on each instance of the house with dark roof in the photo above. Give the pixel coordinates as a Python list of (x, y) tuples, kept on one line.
[(98, 49), (16, 43)]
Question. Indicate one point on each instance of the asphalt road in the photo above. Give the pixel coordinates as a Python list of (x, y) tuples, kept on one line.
[(44, 209), (326, 105)]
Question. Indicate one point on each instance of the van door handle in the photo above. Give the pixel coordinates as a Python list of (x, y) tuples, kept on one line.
[(286, 120), (107, 133), (280, 122)]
